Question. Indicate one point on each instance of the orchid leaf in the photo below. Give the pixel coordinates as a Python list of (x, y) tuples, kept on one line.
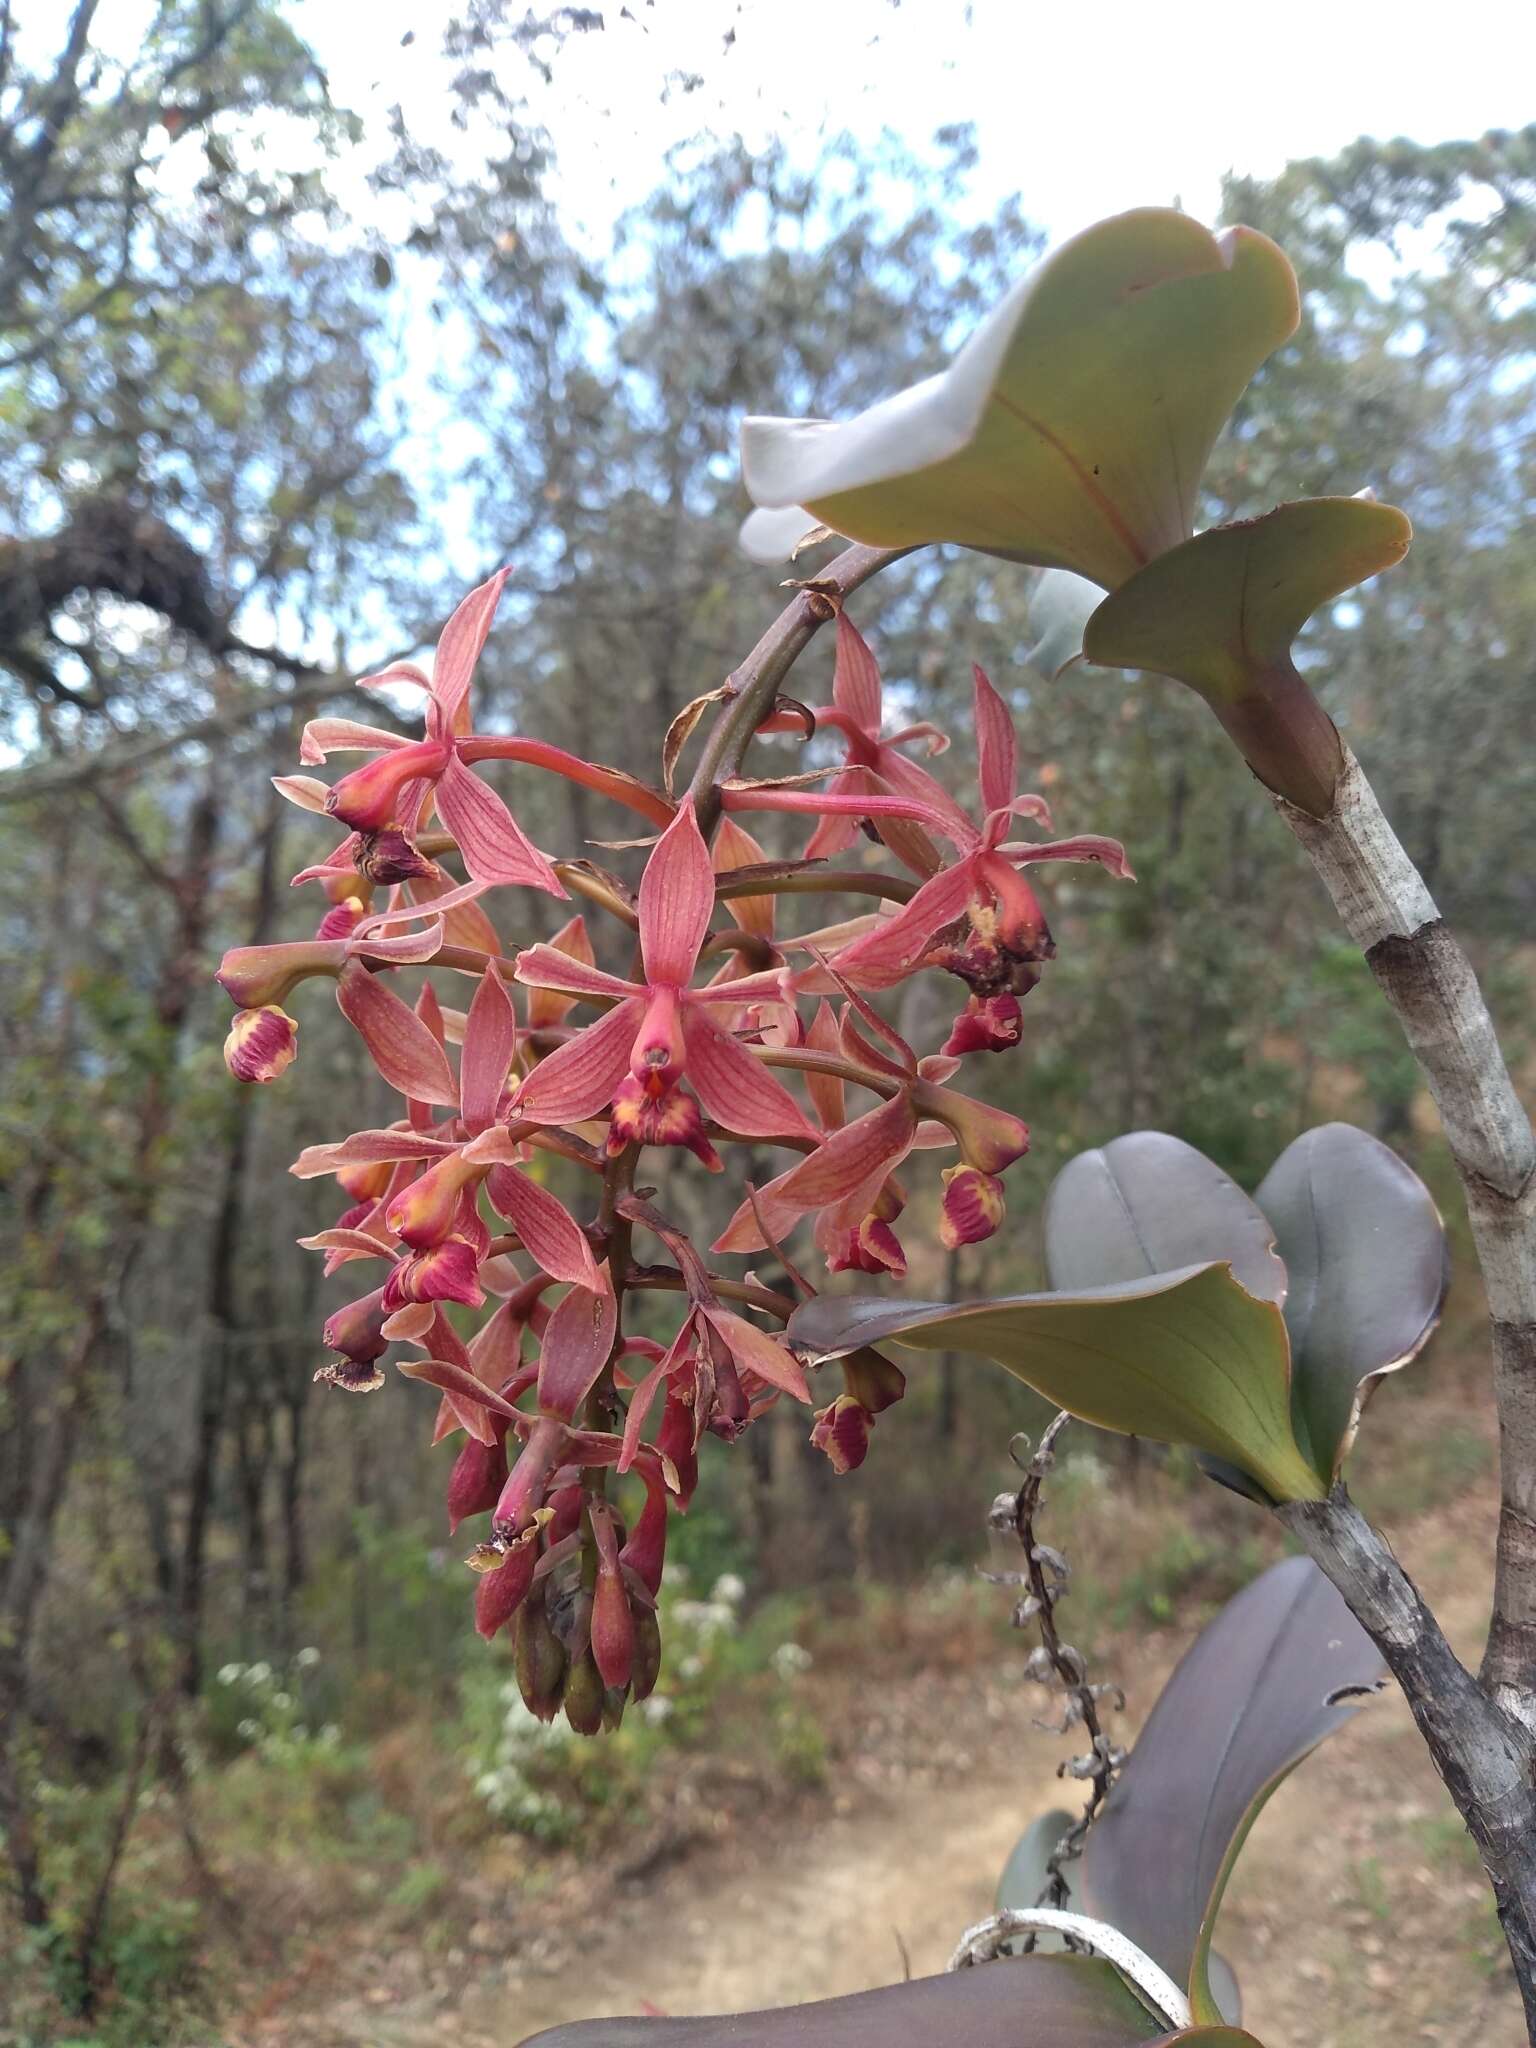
[(1041, 2001), (1072, 428), (1228, 604), (1364, 1246), (1273, 1674), (1024, 1879), (1147, 1203), (1188, 1357)]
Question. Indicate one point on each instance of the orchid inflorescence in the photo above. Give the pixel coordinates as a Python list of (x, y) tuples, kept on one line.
[(692, 1047)]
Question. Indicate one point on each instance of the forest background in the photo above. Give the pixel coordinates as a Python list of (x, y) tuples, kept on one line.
[(280, 376)]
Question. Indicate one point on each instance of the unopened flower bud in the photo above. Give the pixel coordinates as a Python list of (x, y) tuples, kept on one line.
[(972, 1208), (500, 1593), (478, 1475), (261, 1044), (646, 1666), (540, 1658), (842, 1432), (613, 1630), (584, 1691)]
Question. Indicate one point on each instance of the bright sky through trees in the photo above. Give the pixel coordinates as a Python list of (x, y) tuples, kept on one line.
[(1084, 110)]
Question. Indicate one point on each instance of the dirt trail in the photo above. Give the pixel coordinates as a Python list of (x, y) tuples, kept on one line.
[(1356, 1920)]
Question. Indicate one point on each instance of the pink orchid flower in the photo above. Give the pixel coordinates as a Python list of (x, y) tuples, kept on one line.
[(658, 1030), (1007, 935), (390, 793), (874, 764)]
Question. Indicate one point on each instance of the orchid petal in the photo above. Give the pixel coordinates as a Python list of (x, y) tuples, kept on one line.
[(676, 902), (400, 675), (997, 750), (403, 913), (758, 796), (464, 922), (324, 736), (836, 834), (873, 1144), (403, 1049), (470, 1396), (856, 678), (736, 848), (825, 1090), (490, 1041), (493, 844), (405, 949), (1088, 847), (757, 1351), (459, 647), (545, 1007), (368, 1148), (307, 791), (550, 1234), (578, 1079), (888, 954), (736, 1089), (578, 1343), (547, 967)]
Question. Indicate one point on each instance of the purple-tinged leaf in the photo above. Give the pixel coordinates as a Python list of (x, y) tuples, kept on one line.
[(1365, 1248), (1277, 1670)]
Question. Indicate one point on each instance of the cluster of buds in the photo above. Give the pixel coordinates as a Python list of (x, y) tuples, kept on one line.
[(566, 1409)]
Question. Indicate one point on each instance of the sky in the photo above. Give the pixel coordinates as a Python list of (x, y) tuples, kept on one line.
[(1083, 109)]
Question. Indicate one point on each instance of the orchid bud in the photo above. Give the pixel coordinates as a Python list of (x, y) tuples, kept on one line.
[(261, 1044), (613, 1630), (255, 976), (478, 1475), (645, 1552), (540, 1658), (584, 1691), (646, 1666), (502, 1591), (367, 799), (989, 1138), (972, 1208), (842, 1432)]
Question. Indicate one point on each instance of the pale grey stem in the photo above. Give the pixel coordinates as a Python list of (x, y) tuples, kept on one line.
[(1485, 1756), (1426, 977), (1154, 1983)]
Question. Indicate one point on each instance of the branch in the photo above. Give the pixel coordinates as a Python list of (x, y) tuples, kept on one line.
[(1484, 1754), (1426, 977), (753, 687)]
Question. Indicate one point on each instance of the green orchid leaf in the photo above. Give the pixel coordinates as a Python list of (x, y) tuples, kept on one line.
[(1364, 1246), (1220, 613), (1230, 602), (1027, 2002), (1072, 428), (1188, 1357), (1276, 1671), (1060, 606), (1146, 1203)]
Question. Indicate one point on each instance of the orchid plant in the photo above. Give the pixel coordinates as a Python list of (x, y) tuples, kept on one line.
[(1069, 434)]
